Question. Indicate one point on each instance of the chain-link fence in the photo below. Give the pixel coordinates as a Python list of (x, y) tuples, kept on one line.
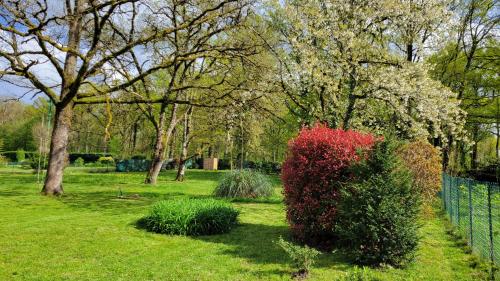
[(474, 208)]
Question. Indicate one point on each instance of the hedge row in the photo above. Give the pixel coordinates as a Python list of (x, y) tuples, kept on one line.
[(87, 157), (266, 167)]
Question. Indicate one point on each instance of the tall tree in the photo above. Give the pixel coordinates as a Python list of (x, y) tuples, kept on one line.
[(80, 41), (337, 65), (468, 64)]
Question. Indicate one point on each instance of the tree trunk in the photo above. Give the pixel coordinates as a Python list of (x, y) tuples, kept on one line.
[(409, 52), (57, 155), (446, 154), (242, 151), (475, 136), (185, 144), (161, 140), (352, 100), (498, 128), (498, 139), (64, 109)]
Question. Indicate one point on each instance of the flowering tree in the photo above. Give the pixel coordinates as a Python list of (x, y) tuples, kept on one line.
[(338, 64)]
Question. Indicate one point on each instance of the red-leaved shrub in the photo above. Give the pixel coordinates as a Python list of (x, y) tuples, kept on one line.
[(317, 159)]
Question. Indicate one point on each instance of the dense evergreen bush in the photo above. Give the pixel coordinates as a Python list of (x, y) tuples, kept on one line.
[(244, 184), (317, 158), (191, 217), (379, 209), (424, 162)]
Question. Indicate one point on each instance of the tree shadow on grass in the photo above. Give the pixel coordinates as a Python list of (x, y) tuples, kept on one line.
[(116, 202), (12, 193), (256, 243)]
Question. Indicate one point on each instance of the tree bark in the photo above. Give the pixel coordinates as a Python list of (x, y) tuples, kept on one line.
[(409, 52), (161, 140), (57, 155), (64, 109), (181, 171), (475, 137), (498, 140)]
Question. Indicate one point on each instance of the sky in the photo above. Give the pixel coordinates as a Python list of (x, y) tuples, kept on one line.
[(43, 70)]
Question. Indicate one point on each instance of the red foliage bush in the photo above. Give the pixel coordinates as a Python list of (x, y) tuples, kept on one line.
[(317, 160)]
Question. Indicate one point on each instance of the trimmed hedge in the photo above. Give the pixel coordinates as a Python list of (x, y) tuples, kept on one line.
[(244, 184), (191, 217), (88, 157), (12, 155)]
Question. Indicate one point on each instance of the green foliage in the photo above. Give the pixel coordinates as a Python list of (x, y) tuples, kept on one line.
[(38, 159), (79, 162), (424, 162), (246, 253), (379, 210), (3, 159), (191, 217), (302, 257), (359, 274), (20, 155), (244, 184), (107, 160)]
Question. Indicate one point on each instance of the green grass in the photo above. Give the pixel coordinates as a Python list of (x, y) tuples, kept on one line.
[(91, 234)]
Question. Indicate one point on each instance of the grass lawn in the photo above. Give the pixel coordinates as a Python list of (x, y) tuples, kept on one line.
[(91, 234)]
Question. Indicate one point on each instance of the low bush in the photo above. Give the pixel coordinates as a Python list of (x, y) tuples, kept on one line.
[(79, 162), (302, 257), (317, 158), (379, 209), (424, 162), (106, 160), (244, 184), (20, 155), (191, 217)]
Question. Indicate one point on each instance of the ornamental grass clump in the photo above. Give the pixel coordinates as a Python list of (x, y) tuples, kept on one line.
[(191, 217), (244, 184)]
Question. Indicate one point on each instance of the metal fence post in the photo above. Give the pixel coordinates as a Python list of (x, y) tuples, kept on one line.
[(471, 238), (451, 200), (490, 221), (443, 189), (458, 192)]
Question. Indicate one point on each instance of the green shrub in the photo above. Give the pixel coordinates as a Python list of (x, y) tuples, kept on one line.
[(244, 184), (379, 210), (38, 159), (20, 155), (191, 217), (302, 257), (79, 162), (106, 160), (424, 162)]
